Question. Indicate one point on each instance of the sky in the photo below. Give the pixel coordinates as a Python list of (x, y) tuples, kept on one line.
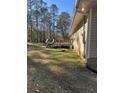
[(63, 5)]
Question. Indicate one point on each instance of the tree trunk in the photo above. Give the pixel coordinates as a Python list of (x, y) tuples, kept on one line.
[(37, 27)]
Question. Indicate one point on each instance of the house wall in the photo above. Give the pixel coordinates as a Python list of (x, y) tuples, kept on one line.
[(85, 38), (93, 40), (78, 43), (91, 51), (92, 34), (89, 46)]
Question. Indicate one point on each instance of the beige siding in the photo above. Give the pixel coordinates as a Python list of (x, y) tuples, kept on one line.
[(86, 32), (93, 38), (78, 42), (92, 34)]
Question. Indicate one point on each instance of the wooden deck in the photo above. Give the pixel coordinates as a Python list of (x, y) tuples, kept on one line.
[(49, 45), (60, 45)]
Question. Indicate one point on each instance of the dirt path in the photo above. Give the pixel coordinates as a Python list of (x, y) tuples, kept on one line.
[(57, 71)]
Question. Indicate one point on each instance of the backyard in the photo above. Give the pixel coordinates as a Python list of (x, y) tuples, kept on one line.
[(58, 70)]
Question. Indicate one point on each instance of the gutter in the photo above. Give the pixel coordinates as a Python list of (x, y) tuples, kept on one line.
[(78, 11), (76, 7)]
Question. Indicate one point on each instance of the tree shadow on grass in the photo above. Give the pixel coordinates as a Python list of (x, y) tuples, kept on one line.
[(57, 78)]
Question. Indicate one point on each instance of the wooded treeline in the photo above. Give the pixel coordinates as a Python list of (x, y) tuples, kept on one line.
[(45, 22)]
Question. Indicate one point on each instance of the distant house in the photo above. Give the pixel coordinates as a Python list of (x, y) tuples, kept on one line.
[(83, 31)]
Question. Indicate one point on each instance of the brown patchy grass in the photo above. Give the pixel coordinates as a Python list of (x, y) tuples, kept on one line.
[(57, 71)]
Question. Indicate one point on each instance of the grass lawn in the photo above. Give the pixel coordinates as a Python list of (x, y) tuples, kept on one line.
[(57, 71)]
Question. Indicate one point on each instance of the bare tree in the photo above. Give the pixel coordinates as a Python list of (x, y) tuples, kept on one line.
[(53, 11), (63, 23), (29, 18)]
